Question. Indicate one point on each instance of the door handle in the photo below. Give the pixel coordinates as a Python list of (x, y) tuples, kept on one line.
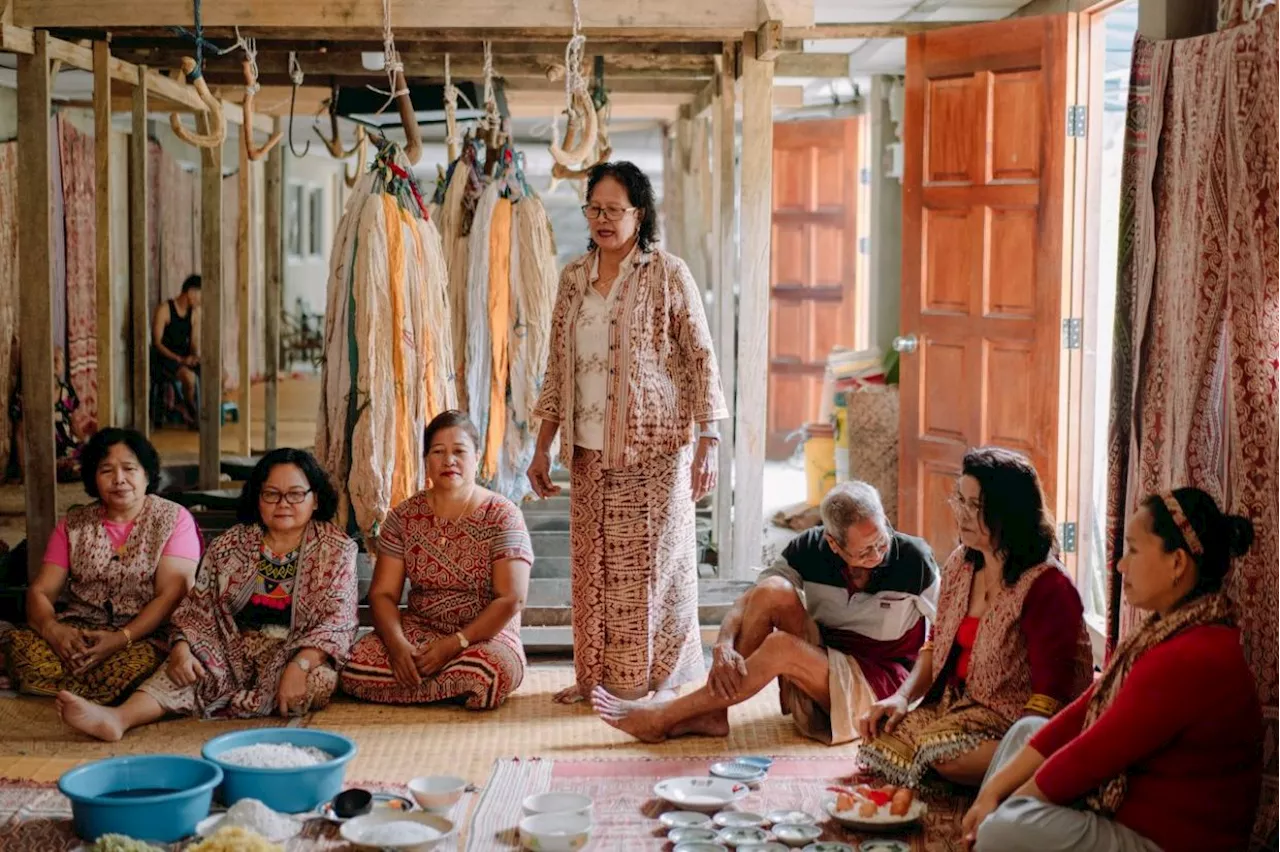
[(905, 345)]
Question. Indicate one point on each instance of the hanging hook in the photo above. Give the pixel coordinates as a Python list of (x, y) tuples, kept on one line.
[(362, 157), (295, 76), (250, 67), (334, 144)]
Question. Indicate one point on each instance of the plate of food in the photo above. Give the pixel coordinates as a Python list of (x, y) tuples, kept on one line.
[(868, 808), (700, 794)]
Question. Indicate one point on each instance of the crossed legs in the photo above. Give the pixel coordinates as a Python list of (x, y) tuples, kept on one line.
[(770, 639)]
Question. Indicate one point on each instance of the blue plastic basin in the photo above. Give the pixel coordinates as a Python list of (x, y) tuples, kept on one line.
[(159, 798), (289, 791)]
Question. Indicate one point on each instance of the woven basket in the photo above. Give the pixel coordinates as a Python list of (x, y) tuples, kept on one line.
[(873, 442)]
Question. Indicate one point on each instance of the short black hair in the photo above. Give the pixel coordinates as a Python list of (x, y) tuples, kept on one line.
[(451, 419), (1222, 536), (1013, 510), (97, 448), (192, 283), (326, 495), (639, 193)]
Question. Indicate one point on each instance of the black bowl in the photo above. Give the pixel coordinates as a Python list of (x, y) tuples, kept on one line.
[(352, 803)]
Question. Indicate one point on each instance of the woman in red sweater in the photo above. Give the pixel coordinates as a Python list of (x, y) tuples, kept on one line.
[(1164, 751)]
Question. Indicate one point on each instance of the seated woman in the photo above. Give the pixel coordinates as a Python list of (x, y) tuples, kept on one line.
[(1009, 639), (467, 555), (272, 616), (1164, 752), (123, 563)]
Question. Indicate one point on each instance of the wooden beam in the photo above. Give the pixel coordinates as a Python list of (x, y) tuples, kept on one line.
[(273, 249), (332, 16), (137, 44), (102, 233), (211, 316), (35, 299), (725, 234), (140, 264), (843, 32), (753, 307), (624, 104), (244, 303), (811, 65)]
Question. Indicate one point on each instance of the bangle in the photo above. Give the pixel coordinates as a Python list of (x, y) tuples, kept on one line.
[(128, 639)]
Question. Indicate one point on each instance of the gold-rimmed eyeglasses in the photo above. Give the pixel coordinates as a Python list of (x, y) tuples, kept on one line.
[(962, 507), (293, 497), (609, 214)]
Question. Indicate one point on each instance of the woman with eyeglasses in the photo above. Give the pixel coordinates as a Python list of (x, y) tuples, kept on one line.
[(1009, 640), (122, 563), (466, 554), (271, 618), (633, 391)]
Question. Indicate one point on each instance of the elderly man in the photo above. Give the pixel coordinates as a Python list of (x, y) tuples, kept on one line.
[(839, 619)]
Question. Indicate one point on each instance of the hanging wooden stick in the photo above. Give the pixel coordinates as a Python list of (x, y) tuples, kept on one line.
[(250, 91), (217, 122), (362, 157)]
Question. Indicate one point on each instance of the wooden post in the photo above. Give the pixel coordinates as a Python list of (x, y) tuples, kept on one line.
[(35, 299), (140, 259), (102, 232), (211, 316), (753, 306), (725, 240), (244, 273), (273, 249)]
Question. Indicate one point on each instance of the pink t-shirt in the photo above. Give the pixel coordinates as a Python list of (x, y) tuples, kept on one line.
[(183, 543)]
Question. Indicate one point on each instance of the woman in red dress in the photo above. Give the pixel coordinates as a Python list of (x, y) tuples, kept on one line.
[(467, 555)]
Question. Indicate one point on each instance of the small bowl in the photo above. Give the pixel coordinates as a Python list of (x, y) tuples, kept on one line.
[(738, 819), (158, 798), (555, 832), (437, 792), (743, 836), (797, 834), (685, 819), (357, 831), (558, 803), (692, 835), (352, 803), (790, 817), (699, 846)]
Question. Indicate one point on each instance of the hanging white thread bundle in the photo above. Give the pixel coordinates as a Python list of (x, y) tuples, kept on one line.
[(295, 69)]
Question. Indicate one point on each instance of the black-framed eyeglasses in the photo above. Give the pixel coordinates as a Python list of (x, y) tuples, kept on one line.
[(609, 214), (293, 497)]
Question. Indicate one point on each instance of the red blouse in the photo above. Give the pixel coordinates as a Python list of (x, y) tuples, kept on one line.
[(965, 637), (1186, 727)]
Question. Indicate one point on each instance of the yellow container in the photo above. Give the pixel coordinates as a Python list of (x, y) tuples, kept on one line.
[(819, 461)]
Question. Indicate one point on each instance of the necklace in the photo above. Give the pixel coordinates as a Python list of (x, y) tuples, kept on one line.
[(439, 520)]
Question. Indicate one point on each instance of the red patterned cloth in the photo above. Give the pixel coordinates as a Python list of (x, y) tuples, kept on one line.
[(1194, 376), (449, 565), (78, 205)]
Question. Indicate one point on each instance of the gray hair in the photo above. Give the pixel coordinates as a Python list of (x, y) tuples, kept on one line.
[(850, 503)]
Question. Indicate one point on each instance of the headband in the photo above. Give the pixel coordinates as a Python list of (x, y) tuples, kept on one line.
[(1184, 526)]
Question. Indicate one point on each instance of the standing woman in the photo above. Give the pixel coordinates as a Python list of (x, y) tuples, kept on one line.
[(633, 389)]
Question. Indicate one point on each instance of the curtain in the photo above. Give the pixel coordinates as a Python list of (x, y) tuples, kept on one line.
[(1197, 339), (1233, 13), (80, 216)]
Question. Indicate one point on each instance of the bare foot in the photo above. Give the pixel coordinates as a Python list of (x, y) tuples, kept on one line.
[(89, 718), (662, 696), (570, 695), (713, 724), (640, 719)]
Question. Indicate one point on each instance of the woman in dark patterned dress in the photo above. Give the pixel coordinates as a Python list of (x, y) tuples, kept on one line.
[(467, 555)]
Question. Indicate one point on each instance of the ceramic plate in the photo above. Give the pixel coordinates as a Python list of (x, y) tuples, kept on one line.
[(790, 817), (764, 763), (692, 835), (770, 846), (210, 824), (796, 834), (699, 847), (685, 819), (884, 844), (737, 770), (700, 794), (742, 836), (880, 822), (829, 846), (738, 819)]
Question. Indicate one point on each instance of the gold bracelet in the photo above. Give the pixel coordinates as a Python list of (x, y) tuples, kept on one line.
[(128, 639)]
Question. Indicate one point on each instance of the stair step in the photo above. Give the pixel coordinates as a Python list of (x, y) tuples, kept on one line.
[(548, 545)]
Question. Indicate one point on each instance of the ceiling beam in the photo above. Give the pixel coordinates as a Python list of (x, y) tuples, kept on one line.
[(841, 32), (268, 41), (811, 65), (678, 19)]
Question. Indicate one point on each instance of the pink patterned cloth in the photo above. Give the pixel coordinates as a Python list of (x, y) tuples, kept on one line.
[(184, 543)]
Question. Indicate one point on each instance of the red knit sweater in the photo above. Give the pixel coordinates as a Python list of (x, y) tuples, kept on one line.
[(1187, 727)]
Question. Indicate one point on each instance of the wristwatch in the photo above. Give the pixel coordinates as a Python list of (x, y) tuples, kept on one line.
[(303, 664), (462, 640)]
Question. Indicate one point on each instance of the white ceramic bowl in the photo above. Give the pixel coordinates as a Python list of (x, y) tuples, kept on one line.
[(555, 832), (437, 792), (700, 794), (558, 803), (362, 832)]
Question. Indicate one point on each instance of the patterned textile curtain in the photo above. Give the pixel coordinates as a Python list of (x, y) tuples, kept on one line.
[(230, 283), (79, 214), (1197, 337), (1233, 13)]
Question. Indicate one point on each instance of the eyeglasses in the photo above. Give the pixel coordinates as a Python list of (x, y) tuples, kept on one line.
[(609, 214), (872, 552), (962, 507), (293, 497)]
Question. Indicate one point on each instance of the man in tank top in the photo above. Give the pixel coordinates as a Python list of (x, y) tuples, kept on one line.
[(174, 345)]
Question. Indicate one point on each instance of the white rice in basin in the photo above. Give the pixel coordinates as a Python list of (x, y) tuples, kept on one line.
[(275, 756)]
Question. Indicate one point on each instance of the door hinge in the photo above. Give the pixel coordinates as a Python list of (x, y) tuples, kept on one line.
[(1071, 333), (1077, 121), (1068, 536), (864, 245)]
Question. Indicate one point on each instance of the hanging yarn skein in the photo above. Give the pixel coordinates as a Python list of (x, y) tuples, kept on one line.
[(388, 358)]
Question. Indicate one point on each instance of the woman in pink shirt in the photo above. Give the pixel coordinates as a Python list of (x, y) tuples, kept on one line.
[(122, 563)]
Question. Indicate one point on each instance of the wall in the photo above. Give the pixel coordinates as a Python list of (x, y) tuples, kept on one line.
[(886, 217), (306, 274)]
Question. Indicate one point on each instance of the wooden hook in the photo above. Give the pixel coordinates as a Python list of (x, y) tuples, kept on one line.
[(409, 120), (250, 91), (217, 121), (568, 154), (362, 157), (334, 143)]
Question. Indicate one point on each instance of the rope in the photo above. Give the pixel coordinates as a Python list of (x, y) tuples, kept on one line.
[(452, 139), (573, 58), (250, 46), (391, 62), (295, 70), (491, 118)]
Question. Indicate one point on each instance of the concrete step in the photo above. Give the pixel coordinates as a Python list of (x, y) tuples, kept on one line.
[(548, 601), (551, 567), (550, 544)]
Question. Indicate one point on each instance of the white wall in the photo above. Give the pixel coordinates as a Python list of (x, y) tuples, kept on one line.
[(306, 274)]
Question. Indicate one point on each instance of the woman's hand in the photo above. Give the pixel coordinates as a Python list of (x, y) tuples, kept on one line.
[(404, 665), (887, 710), (99, 645), (706, 465), (183, 668), (67, 642), (540, 475), (982, 808), (435, 655), (291, 695)]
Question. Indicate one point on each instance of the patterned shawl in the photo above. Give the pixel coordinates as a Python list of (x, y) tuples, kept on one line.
[(1208, 609), (324, 616)]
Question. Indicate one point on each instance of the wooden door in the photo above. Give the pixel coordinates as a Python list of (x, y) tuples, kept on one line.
[(815, 251), (984, 267)]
